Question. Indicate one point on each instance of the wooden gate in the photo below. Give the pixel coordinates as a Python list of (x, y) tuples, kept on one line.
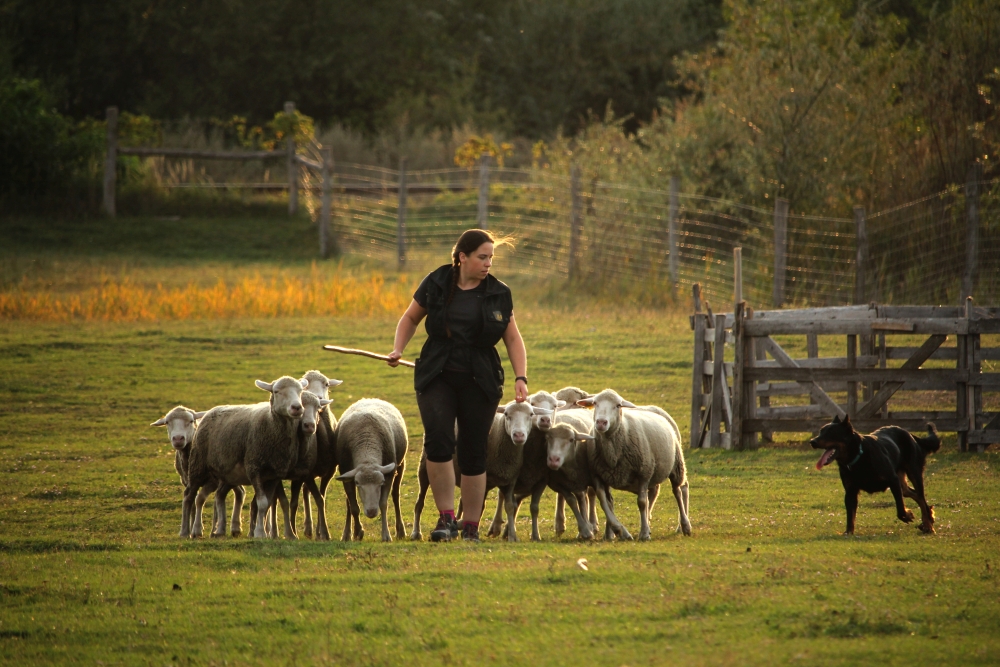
[(866, 377)]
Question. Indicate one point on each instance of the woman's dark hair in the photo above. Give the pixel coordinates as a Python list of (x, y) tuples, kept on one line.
[(467, 243)]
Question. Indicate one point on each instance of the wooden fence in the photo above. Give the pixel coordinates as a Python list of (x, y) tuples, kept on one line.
[(327, 244), (737, 410)]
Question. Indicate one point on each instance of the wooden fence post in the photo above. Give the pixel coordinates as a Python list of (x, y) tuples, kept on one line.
[(401, 217), (324, 215), (780, 249), (739, 386), (718, 379), (697, 367), (111, 161), (293, 167), (575, 222), (971, 230), (737, 276), (483, 212), (861, 255), (673, 247)]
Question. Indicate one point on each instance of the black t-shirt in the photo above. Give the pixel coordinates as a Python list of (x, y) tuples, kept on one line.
[(465, 320)]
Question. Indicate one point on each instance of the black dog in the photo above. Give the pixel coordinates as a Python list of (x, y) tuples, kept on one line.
[(876, 462)]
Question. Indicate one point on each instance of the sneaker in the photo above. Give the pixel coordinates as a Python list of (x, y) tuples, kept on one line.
[(470, 532), (444, 531)]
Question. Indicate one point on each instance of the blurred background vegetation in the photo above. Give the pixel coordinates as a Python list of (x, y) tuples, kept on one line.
[(830, 103)]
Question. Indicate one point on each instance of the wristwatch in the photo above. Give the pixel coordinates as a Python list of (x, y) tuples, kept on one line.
[(521, 377)]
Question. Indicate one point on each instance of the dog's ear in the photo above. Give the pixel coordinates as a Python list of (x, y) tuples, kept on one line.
[(847, 421), (836, 419)]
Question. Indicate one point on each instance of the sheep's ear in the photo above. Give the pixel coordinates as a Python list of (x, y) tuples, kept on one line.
[(162, 421), (627, 404), (501, 409), (586, 402), (348, 475), (199, 415), (304, 383), (334, 383), (541, 411), (387, 468), (266, 386), (584, 437), (323, 402), (560, 404)]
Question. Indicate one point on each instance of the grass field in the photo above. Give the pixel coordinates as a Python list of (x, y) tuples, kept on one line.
[(91, 570)]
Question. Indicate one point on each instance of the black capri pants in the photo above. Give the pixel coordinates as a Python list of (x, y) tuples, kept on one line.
[(456, 395)]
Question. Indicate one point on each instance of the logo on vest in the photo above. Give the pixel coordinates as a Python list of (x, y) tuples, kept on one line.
[(497, 315)]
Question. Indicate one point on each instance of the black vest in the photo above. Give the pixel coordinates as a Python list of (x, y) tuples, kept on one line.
[(498, 307)]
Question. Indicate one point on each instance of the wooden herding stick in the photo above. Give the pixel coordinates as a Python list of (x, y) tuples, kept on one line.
[(365, 353)]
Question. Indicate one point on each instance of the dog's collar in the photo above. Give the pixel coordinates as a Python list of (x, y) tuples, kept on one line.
[(857, 458)]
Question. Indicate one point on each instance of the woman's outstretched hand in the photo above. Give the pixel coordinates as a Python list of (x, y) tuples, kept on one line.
[(520, 391), (394, 358)]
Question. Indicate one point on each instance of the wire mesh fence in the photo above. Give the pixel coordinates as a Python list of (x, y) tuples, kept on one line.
[(918, 253)]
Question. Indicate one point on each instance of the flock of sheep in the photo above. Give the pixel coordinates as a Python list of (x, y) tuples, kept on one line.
[(550, 441)]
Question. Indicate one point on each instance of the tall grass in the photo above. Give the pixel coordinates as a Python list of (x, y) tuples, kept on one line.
[(282, 294)]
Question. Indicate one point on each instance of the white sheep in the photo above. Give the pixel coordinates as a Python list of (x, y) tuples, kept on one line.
[(570, 395), (635, 450), (181, 423), (371, 443), (531, 480), (309, 427), (326, 459), (246, 444), (566, 457), (505, 445)]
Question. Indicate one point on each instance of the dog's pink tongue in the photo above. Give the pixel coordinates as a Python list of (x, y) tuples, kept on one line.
[(823, 460)]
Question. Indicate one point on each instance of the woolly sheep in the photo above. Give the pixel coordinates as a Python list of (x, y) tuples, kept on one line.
[(566, 457), (326, 459), (309, 426), (371, 443), (181, 423), (533, 477), (571, 395), (635, 450), (246, 444)]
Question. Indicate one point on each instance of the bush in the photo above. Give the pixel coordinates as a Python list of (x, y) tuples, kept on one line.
[(45, 154)]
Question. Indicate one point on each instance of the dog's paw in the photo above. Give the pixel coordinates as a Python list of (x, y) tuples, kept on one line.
[(906, 517), (927, 528)]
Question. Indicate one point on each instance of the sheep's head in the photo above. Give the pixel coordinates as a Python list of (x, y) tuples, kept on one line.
[(286, 395), (571, 395), (560, 443), (320, 384), (311, 407), (517, 419), (180, 423), (543, 399), (607, 409), (369, 480)]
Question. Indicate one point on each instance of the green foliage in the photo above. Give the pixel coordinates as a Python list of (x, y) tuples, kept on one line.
[(43, 151), (527, 67)]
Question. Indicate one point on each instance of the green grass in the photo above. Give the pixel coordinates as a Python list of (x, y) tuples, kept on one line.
[(89, 557), (91, 570)]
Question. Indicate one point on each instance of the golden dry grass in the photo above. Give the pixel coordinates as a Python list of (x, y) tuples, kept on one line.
[(280, 293)]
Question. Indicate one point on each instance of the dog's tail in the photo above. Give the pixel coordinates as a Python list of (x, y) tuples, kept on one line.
[(932, 442)]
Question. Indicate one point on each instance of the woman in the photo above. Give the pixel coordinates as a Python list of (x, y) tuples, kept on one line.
[(459, 375)]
